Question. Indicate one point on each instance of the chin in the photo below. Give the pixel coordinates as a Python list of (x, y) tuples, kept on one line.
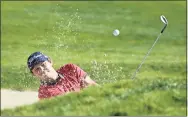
[(52, 77)]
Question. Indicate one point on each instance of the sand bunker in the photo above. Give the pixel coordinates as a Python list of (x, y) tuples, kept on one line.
[(12, 99)]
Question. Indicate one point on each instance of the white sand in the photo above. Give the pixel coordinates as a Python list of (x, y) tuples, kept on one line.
[(12, 99)]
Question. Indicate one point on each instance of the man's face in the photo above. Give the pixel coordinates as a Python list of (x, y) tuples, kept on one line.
[(44, 71)]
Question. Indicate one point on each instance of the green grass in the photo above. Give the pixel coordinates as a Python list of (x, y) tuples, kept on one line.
[(81, 33)]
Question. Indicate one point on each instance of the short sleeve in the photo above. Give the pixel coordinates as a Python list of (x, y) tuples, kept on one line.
[(72, 69), (80, 75), (79, 72), (73, 73)]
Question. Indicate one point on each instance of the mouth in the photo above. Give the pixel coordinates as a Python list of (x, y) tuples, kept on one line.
[(47, 75)]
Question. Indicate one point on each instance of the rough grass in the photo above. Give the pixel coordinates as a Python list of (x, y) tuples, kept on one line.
[(81, 33), (128, 97)]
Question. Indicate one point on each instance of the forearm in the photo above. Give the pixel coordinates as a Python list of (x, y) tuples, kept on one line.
[(87, 81)]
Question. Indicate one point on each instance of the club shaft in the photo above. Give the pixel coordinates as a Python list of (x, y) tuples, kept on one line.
[(163, 29), (146, 56)]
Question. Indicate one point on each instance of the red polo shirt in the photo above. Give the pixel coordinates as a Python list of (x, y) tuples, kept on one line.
[(71, 81)]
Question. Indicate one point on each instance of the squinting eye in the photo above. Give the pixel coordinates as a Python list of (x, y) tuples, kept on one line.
[(42, 64)]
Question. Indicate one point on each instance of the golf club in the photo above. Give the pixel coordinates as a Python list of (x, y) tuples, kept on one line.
[(164, 20)]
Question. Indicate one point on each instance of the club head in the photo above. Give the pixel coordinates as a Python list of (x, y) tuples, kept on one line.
[(163, 19)]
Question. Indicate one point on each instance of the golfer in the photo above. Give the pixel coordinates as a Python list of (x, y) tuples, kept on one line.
[(68, 78)]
